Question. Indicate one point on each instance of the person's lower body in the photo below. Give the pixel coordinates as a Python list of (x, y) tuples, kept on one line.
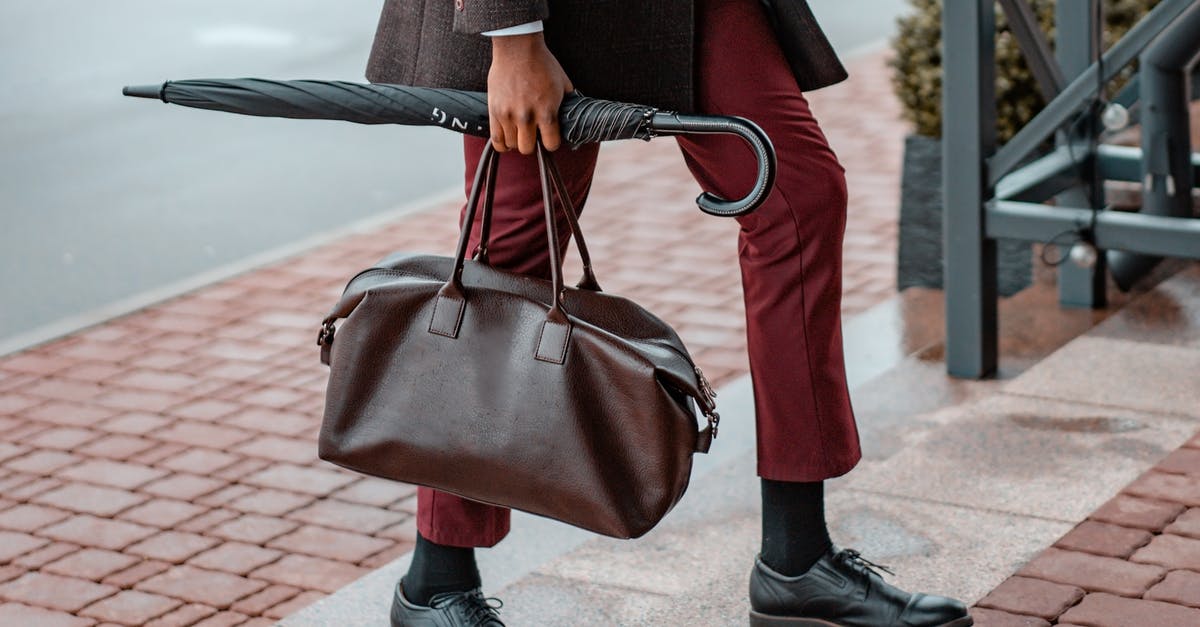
[(790, 253)]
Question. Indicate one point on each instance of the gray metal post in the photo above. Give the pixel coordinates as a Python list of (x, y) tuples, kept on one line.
[(1077, 48), (968, 139), (1166, 145)]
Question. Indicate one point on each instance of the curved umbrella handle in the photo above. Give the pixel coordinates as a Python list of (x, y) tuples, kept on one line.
[(586, 120), (664, 123)]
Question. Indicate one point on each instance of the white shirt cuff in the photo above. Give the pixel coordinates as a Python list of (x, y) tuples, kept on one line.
[(519, 29)]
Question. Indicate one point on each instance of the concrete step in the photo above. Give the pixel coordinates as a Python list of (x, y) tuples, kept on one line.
[(962, 482)]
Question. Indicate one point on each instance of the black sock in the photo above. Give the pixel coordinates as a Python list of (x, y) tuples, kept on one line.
[(438, 568), (794, 535)]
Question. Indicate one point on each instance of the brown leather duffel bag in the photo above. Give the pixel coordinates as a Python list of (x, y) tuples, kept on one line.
[(505, 389)]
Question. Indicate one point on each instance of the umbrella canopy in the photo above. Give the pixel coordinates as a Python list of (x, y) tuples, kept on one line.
[(582, 119)]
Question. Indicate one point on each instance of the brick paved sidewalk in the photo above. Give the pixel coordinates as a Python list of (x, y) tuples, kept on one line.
[(161, 468), (1134, 561)]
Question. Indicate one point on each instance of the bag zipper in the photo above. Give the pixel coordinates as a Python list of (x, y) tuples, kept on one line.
[(372, 271), (329, 328)]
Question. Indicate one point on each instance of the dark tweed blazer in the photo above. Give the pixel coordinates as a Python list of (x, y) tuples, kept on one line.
[(627, 50)]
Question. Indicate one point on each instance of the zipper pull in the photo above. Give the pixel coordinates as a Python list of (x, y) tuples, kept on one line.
[(325, 335), (710, 396), (325, 341), (714, 420), (706, 388)]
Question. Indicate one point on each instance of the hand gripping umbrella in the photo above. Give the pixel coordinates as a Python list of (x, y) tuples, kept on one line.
[(582, 119)]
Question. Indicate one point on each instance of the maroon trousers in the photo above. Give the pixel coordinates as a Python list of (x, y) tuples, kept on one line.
[(790, 252)]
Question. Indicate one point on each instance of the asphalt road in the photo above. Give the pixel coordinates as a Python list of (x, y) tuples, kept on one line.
[(104, 197)]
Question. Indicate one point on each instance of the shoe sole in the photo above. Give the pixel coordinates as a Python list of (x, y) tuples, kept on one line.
[(766, 620)]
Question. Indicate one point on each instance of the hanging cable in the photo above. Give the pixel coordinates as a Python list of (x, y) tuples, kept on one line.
[(1083, 246)]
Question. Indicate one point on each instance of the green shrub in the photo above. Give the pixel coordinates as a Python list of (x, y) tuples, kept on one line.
[(917, 64)]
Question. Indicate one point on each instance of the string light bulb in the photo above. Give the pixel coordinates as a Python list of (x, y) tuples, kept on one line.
[(1115, 117), (1083, 254)]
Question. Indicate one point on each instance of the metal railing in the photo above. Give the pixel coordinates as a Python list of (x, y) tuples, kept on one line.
[(995, 191)]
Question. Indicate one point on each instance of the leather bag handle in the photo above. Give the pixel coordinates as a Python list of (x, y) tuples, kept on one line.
[(450, 304), (485, 229), (451, 301), (588, 282), (556, 330)]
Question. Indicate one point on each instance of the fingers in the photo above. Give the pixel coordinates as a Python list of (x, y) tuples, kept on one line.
[(547, 122), (511, 134), (526, 133), (517, 122), (498, 141), (547, 126), (520, 131), (505, 133)]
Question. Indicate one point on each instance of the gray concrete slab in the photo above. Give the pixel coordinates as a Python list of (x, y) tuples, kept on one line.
[(1120, 373), (542, 600), (714, 533), (1170, 314), (709, 540), (1027, 456), (962, 552), (889, 422), (694, 570)]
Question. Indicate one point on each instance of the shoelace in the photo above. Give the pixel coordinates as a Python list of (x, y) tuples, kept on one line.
[(856, 558), (478, 610)]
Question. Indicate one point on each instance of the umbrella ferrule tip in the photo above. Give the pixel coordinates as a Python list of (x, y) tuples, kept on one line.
[(145, 91)]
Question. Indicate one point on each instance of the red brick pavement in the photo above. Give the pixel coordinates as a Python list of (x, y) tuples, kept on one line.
[(1133, 562), (161, 468)]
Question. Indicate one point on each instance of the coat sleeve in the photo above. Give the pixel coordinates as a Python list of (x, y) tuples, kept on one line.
[(476, 16)]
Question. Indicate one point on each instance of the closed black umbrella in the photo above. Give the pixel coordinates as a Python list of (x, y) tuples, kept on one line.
[(583, 119)]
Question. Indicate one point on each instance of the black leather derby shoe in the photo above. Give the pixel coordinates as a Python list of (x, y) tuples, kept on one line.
[(842, 590), (449, 609)]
